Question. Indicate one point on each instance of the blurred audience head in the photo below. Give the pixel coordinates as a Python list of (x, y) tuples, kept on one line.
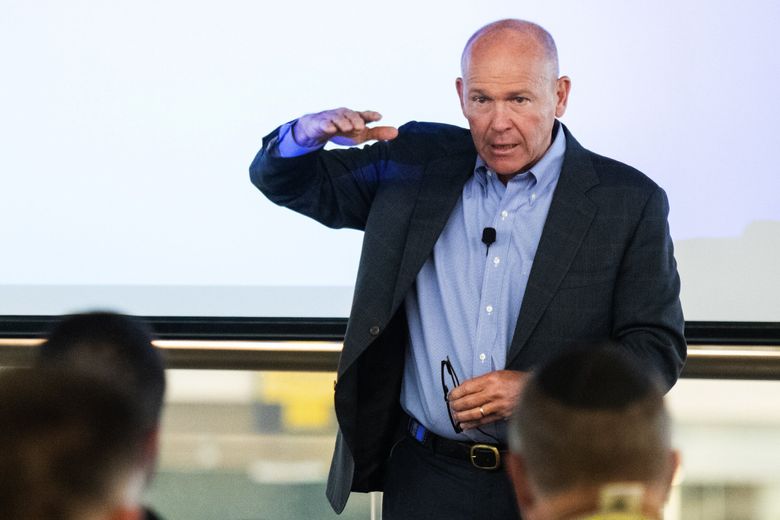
[(113, 346), (71, 448), (591, 435), (118, 349)]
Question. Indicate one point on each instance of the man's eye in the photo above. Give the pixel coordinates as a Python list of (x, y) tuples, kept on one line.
[(520, 100), (479, 99)]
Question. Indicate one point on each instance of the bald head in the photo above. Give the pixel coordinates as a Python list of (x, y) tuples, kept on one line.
[(511, 94), (520, 34)]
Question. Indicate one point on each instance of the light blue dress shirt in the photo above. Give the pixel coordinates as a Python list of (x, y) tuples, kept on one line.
[(467, 297)]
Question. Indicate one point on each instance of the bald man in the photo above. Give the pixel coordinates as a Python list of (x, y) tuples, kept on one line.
[(486, 252)]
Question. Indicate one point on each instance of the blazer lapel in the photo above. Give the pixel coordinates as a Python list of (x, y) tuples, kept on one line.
[(568, 220), (441, 187)]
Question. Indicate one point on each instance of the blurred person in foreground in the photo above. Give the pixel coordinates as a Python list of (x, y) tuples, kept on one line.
[(591, 439), (118, 349), (71, 448)]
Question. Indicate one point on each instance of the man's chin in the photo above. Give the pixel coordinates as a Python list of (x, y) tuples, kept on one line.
[(505, 165)]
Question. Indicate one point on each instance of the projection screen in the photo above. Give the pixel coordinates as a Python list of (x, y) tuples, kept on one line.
[(127, 129)]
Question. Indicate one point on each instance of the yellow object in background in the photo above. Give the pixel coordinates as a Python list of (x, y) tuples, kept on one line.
[(305, 398)]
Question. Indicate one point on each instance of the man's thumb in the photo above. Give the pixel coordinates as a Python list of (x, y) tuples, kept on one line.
[(382, 133)]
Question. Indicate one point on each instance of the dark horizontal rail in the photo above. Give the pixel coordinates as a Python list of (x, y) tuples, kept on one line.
[(202, 328), (704, 361), (718, 350), (332, 329), (732, 333)]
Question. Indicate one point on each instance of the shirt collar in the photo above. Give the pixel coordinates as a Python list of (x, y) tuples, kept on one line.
[(547, 170)]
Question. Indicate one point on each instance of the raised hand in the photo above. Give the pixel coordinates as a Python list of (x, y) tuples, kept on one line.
[(342, 126)]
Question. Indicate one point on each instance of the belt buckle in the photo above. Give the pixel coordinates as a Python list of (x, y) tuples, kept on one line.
[(485, 456)]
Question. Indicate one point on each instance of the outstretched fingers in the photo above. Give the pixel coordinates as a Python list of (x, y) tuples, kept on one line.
[(342, 126)]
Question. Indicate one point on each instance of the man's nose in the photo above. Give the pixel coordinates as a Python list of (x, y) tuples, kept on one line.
[(500, 120)]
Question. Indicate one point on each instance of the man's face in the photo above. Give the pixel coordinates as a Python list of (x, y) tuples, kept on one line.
[(510, 96)]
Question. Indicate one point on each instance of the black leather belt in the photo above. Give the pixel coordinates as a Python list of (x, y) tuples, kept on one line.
[(481, 455)]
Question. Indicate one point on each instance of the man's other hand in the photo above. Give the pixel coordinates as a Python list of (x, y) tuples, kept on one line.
[(488, 398), (342, 126)]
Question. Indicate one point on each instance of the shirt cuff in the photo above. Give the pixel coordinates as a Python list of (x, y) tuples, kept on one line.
[(287, 147)]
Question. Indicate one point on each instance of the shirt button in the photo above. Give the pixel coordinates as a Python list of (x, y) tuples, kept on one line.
[(489, 309), (504, 214), (482, 357), (496, 261), (533, 196), (374, 330)]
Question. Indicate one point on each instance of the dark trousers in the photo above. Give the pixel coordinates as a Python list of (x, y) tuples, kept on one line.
[(423, 485)]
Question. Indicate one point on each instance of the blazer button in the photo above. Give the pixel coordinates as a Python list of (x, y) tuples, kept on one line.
[(374, 330)]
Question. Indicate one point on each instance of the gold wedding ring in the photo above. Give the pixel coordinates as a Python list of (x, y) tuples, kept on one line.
[(482, 411)]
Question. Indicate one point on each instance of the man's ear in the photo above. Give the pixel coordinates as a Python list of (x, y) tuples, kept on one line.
[(459, 88), (562, 89), (674, 467), (515, 466), (151, 451)]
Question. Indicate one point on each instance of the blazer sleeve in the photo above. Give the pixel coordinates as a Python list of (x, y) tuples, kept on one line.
[(648, 317), (335, 188)]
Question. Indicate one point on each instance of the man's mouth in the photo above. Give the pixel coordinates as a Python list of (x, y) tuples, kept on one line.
[(502, 148)]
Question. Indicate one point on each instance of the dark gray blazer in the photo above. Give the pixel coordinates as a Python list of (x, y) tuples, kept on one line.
[(604, 268)]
